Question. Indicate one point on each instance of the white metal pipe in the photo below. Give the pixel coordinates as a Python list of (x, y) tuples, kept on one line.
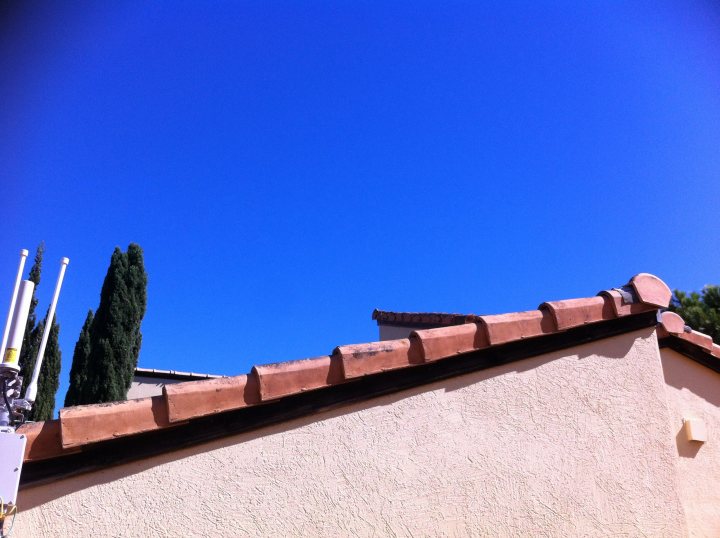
[(17, 328), (11, 312), (31, 391)]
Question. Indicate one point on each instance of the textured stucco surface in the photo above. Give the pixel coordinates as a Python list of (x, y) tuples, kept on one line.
[(565, 444), (144, 387), (694, 392), (392, 332)]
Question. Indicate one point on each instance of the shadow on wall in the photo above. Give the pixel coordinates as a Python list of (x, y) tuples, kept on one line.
[(685, 374), (612, 348)]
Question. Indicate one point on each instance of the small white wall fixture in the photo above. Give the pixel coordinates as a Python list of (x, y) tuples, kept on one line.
[(695, 429)]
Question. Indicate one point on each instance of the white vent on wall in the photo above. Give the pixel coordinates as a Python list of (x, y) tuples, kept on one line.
[(695, 429)]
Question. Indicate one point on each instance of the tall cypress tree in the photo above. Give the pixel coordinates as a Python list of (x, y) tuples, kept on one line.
[(114, 333), (79, 369), (49, 377)]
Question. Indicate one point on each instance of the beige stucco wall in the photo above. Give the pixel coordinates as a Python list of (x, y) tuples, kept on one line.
[(144, 387), (565, 444), (394, 332), (694, 392)]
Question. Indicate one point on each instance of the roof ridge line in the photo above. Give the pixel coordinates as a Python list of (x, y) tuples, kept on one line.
[(180, 402)]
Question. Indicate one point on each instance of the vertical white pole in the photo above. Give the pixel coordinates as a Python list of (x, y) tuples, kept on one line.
[(31, 391), (23, 255), (17, 328)]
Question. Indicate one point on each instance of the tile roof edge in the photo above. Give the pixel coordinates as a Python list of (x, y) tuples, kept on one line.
[(182, 402), (673, 325)]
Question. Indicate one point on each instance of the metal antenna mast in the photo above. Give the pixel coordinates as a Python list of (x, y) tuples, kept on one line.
[(13, 409)]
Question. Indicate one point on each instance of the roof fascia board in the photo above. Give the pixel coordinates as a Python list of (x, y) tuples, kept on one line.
[(691, 351)]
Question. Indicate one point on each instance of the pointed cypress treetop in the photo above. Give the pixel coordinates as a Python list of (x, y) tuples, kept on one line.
[(114, 334)]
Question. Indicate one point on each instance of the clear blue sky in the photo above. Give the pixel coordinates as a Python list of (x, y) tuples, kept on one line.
[(289, 167)]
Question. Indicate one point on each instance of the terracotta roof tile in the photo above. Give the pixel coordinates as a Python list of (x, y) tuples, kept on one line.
[(517, 325), (284, 378), (43, 440), (699, 339), (199, 398), (575, 312), (185, 401), (672, 325), (662, 332), (85, 424), (448, 341), (622, 307), (651, 290), (364, 359)]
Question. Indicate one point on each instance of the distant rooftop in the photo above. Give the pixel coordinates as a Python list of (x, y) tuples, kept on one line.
[(175, 375), (435, 319)]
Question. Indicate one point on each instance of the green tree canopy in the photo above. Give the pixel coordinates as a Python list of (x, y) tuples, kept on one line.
[(109, 345), (701, 311), (79, 369)]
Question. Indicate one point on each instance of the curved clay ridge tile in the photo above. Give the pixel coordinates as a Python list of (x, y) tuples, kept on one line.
[(699, 339), (86, 424), (576, 312), (651, 290), (364, 359), (503, 328), (43, 440), (199, 398), (445, 342), (672, 324), (623, 308), (285, 378)]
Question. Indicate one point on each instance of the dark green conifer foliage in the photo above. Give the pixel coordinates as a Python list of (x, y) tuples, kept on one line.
[(49, 377), (32, 336), (79, 369), (700, 311), (115, 336)]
